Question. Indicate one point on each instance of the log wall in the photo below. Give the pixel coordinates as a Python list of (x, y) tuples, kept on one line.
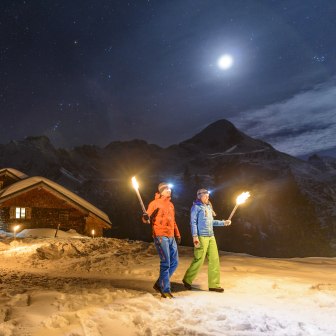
[(47, 211)]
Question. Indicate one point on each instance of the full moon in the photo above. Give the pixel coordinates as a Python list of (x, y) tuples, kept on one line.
[(225, 61)]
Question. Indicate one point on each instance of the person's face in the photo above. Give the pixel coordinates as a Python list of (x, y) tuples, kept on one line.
[(205, 198), (166, 192)]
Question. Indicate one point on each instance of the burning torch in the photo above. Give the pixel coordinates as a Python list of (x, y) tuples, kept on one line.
[(136, 188), (240, 199)]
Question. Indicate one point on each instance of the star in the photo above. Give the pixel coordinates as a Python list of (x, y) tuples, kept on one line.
[(319, 59)]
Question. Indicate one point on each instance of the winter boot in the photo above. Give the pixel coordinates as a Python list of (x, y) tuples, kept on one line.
[(217, 289), (167, 295), (187, 285), (157, 286)]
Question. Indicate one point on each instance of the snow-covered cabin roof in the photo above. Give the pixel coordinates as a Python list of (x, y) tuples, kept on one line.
[(13, 172), (33, 182)]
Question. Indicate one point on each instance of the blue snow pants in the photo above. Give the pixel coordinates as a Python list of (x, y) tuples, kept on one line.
[(167, 250)]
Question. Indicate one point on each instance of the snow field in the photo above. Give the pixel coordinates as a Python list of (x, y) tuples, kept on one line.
[(103, 286)]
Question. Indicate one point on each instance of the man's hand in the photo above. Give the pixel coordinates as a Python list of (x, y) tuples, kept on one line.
[(227, 222), (145, 217), (196, 241), (178, 240)]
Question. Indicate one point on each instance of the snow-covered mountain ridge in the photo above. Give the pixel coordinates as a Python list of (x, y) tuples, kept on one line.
[(291, 212)]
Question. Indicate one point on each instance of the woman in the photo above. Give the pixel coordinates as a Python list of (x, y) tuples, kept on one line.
[(202, 223)]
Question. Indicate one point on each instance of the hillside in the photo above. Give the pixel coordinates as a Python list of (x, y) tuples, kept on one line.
[(292, 210)]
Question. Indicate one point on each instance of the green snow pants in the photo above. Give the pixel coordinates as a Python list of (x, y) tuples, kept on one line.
[(208, 247)]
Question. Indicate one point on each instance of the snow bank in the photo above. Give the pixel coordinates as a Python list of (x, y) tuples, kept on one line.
[(103, 286), (5, 234), (48, 233)]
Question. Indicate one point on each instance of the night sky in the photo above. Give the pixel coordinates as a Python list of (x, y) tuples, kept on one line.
[(92, 72)]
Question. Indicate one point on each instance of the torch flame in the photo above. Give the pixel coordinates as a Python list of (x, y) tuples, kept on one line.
[(243, 197), (135, 183)]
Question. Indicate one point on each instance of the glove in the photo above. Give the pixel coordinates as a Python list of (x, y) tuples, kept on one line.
[(178, 240), (197, 243), (145, 218), (227, 222)]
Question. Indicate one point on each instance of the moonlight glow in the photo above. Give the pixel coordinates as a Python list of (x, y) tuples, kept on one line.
[(225, 62)]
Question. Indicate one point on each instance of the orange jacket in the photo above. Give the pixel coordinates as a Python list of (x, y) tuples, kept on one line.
[(162, 213)]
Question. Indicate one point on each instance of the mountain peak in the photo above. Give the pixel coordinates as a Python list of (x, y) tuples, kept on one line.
[(223, 135), (222, 124), (220, 131)]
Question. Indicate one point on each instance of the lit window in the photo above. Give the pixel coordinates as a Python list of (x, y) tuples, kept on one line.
[(20, 212)]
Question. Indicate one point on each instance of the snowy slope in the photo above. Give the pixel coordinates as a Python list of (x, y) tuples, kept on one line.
[(104, 287)]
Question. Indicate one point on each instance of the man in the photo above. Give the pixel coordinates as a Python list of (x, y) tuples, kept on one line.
[(202, 223), (162, 217)]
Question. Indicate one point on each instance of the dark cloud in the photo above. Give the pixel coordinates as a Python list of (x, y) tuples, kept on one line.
[(303, 124), (296, 131)]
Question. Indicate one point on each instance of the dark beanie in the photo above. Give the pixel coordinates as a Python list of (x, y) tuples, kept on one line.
[(162, 186)]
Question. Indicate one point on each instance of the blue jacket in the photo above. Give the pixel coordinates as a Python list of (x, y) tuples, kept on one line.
[(202, 221)]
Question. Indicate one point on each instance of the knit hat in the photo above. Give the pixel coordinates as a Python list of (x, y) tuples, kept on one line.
[(162, 186), (201, 192)]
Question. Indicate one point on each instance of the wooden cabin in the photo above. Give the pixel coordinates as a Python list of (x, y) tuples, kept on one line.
[(9, 176), (37, 202)]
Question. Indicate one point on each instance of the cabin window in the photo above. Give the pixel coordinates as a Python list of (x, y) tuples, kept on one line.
[(20, 212), (1, 184)]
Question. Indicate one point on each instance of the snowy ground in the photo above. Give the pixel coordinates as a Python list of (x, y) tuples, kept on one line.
[(101, 286)]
